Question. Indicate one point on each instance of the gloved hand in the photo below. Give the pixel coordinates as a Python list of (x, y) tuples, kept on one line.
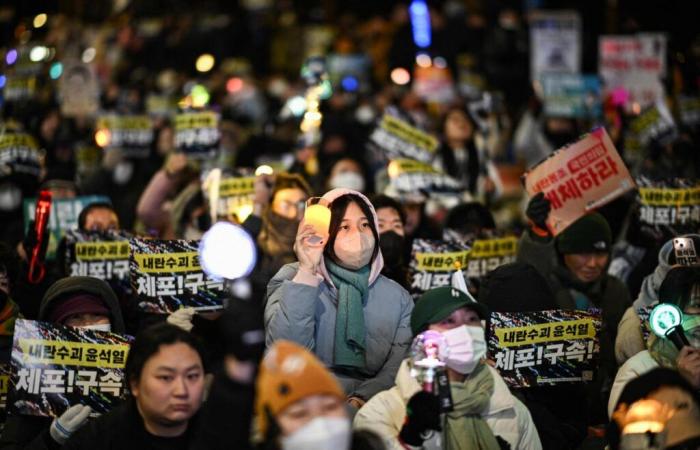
[(538, 209), (70, 421), (422, 414), (182, 318)]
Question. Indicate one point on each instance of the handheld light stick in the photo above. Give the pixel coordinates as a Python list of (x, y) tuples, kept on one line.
[(665, 321), (227, 252), (428, 353), (37, 270)]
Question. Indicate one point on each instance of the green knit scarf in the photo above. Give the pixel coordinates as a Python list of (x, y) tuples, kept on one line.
[(349, 348), (464, 428)]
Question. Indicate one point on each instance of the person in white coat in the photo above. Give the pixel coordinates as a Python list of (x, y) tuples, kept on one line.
[(485, 414)]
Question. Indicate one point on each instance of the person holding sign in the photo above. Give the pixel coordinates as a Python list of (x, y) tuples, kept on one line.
[(335, 301), (81, 302), (484, 414), (575, 263), (165, 375)]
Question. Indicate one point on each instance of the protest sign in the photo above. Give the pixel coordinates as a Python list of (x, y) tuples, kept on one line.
[(407, 176), (5, 374), (397, 139), (20, 156), (635, 64), (545, 347), (166, 275), (349, 72), (132, 134), (235, 199), (103, 255), (433, 84), (55, 367), (19, 88), (555, 43), (433, 262), (197, 134), (571, 95), (63, 217), (655, 123), (78, 90), (671, 206), (579, 178)]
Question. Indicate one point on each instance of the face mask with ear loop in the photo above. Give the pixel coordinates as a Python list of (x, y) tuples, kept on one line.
[(107, 327), (467, 345), (354, 251), (321, 433)]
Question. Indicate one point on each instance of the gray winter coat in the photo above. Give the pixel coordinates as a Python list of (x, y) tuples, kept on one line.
[(306, 313)]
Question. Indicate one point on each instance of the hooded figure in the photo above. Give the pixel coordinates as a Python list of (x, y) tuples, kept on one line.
[(74, 301), (335, 301), (630, 340)]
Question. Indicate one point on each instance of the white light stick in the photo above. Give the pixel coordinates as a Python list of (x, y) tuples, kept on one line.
[(227, 251)]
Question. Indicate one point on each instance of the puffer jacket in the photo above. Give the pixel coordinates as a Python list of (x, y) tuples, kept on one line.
[(506, 415), (637, 365), (630, 340), (302, 308)]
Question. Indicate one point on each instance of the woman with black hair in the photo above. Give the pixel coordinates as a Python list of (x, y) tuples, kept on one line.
[(335, 301), (165, 377), (458, 155)]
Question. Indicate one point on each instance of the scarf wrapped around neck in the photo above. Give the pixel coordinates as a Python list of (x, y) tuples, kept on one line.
[(353, 285), (465, 429)]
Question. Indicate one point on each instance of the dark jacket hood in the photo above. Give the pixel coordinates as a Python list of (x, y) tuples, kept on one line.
[(88, 285)]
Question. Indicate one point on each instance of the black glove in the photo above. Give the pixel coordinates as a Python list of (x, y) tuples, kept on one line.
[(538, 210), (422, 414)]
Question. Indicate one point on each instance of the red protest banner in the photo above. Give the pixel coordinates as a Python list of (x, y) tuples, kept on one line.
[(579, 178)]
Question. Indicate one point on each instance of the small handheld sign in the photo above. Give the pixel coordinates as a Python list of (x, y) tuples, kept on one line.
[(665, 321)]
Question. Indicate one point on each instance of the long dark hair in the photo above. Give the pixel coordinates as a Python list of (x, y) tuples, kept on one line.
[(338, 208), (448, 157)]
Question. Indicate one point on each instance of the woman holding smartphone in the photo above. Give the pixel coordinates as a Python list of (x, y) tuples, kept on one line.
[(335, 302)]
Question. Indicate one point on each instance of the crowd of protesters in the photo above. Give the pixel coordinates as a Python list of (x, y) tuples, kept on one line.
[(316, 352)]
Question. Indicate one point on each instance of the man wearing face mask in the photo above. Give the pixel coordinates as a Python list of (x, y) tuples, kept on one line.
[(392, 239), (485, 415), (80, 302), (335, 301)]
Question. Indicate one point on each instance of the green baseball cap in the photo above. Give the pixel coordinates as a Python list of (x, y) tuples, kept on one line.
[(436, 304)]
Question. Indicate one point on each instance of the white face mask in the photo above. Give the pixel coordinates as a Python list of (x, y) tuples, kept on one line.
[(322, 433), (364, 114), (98, 327), (123, 172), (467, 345), (10, 197), (348, 180), (354, 251)]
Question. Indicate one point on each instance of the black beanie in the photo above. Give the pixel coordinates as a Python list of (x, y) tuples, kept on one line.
[(516, 287), (589, 234), (243, 330)]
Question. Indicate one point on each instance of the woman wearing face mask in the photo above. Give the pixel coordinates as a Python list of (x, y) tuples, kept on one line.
[(346, 173), (485, 416), (81, 302), (392, 238), (300, 405), (681, 287), (335, 302)]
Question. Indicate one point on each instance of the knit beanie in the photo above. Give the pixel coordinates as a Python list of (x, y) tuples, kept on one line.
[(289, 373), (82, 303), (516, 287), (437, 304), (589, 234)]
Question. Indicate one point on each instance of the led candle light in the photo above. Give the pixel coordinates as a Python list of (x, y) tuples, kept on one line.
[(319, 217)]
